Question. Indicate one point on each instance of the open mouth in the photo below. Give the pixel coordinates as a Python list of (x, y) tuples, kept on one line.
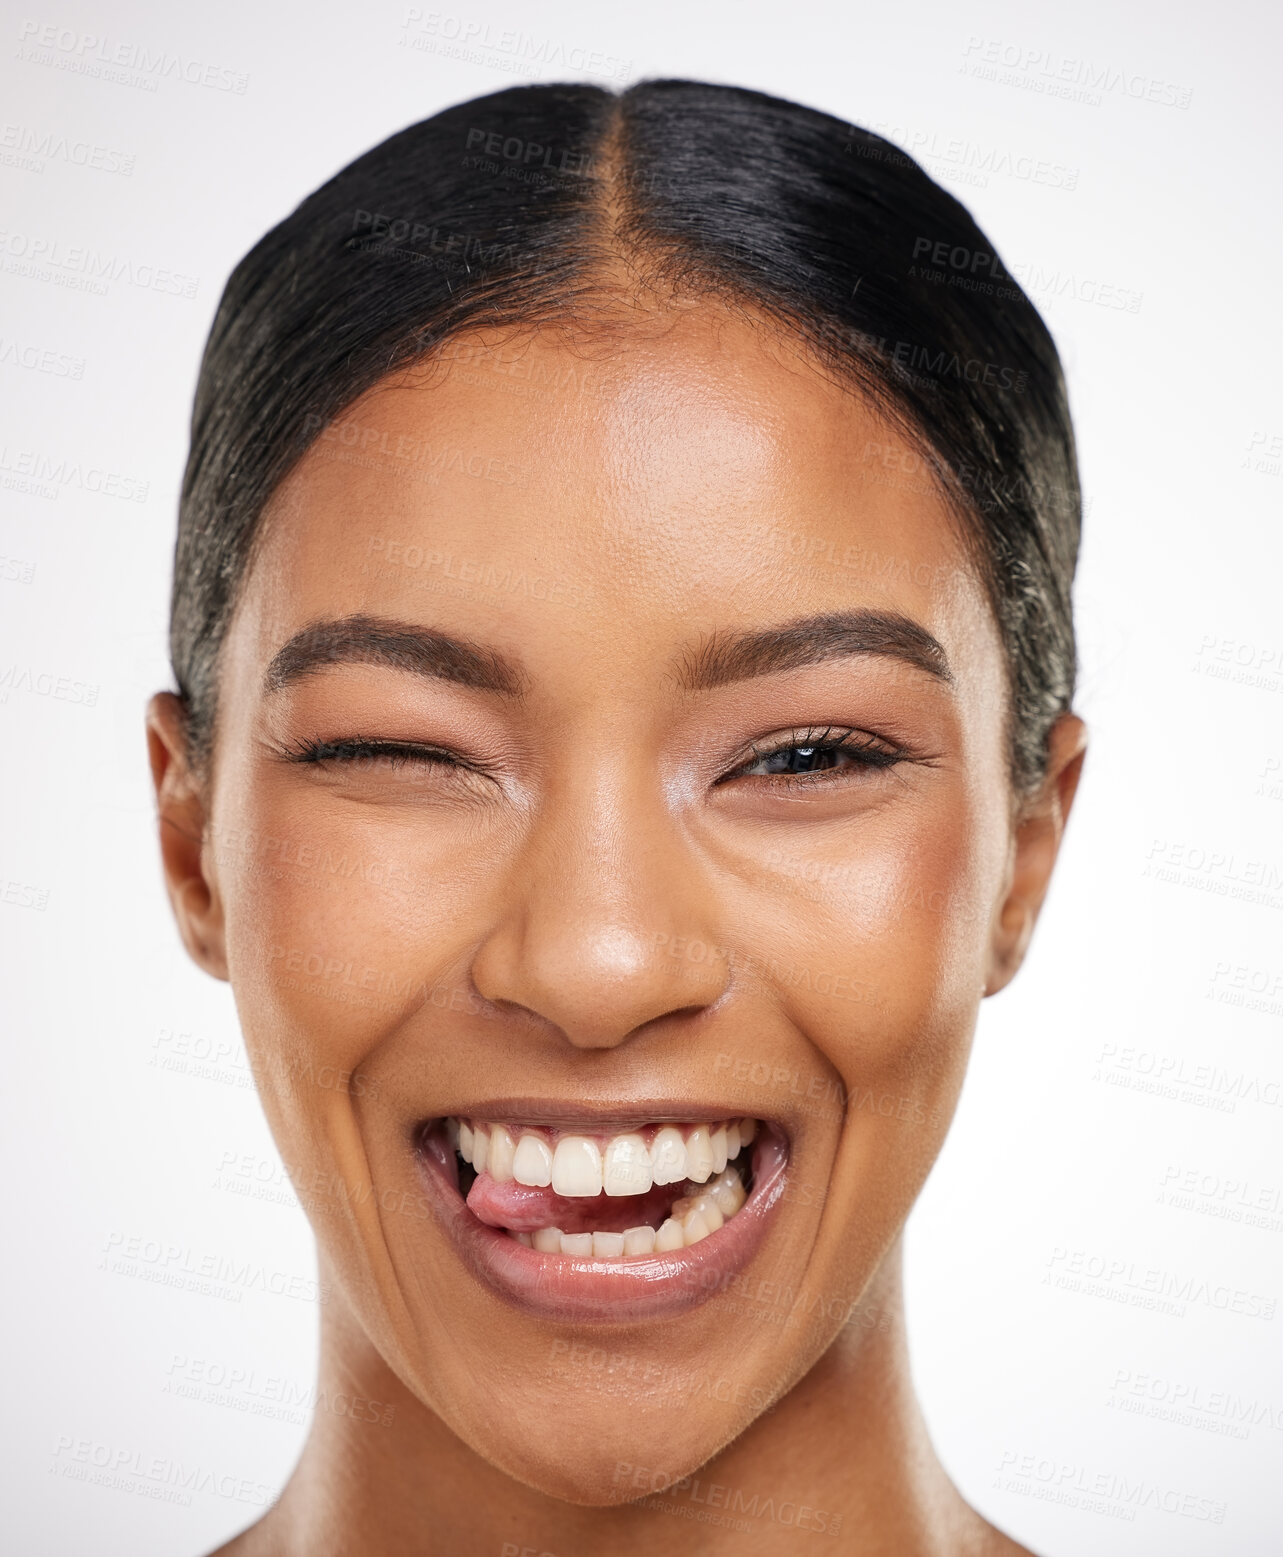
[(644, 1192), (592, 1223)]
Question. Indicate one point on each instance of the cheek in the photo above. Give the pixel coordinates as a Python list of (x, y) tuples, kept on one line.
[(906, 919), (342, 921), (315, 912)]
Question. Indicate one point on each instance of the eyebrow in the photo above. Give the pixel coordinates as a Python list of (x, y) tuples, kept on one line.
[(722, 658), (377, 640), (810, 640)]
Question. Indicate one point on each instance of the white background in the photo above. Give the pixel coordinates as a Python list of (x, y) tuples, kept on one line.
[(1169, 892)]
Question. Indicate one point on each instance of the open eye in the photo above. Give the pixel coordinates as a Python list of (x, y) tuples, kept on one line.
[(811, 756)]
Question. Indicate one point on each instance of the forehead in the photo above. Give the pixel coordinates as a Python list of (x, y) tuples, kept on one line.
[(695, 471)]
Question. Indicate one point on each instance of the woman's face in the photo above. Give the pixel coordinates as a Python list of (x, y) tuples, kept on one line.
[(604, 611)]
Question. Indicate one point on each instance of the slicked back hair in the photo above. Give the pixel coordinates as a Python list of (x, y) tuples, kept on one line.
[(515, 209)]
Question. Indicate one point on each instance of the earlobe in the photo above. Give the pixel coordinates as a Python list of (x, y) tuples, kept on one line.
[(1035, 845), (181, 820)]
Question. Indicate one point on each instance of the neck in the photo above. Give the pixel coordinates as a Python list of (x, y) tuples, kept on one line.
[(844, 1454)]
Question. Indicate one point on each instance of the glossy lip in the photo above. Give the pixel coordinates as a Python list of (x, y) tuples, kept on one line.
[(570, 1290)]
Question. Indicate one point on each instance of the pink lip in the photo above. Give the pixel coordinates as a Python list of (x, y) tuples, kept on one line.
[(560, 1287)]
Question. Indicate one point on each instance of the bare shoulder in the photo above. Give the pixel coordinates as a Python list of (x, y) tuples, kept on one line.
[(1004, 1546), (258, 1541), (987, 1540)]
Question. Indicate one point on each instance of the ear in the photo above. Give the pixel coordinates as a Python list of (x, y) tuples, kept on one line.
[(180, 815), (1039, 826)]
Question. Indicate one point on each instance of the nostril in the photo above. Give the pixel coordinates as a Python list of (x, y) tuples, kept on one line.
[(596, 980)]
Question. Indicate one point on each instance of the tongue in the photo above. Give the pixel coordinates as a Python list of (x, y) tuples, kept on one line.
[(522, 1209)]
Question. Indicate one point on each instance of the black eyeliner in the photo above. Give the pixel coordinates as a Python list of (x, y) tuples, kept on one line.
[(871, 751)]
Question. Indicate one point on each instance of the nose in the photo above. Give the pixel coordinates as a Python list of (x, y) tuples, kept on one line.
[(602, 890)]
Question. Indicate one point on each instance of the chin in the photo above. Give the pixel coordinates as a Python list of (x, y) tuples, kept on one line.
[(596, 1463)]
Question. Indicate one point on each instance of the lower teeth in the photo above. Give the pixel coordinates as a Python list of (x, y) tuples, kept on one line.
[(692, 1217)]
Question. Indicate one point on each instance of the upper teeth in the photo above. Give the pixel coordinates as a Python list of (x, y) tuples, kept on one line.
[(587, 1165)]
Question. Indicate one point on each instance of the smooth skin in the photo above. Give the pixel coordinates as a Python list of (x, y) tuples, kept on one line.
[(602, 893)]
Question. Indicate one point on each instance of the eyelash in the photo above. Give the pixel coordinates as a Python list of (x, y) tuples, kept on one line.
[(870, 753), (395, 753)]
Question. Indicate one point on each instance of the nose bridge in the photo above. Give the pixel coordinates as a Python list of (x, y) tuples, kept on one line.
[(605, 884)]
